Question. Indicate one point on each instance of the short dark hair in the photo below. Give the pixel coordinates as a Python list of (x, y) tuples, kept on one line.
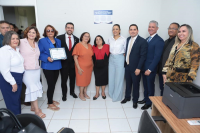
[(176, 24), (81, 38), (3, 21), (133, 25), (8, 36), (69, 23), (36, 31), (103, 42), (55, 31)]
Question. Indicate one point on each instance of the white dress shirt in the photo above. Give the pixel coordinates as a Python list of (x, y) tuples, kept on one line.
[(134, 38), (117, 46), (67, 39), (10, 61)]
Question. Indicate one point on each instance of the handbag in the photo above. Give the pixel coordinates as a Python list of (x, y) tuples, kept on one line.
[(10, 124)]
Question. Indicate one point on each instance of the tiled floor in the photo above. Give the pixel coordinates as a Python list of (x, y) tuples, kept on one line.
[(99, 116)]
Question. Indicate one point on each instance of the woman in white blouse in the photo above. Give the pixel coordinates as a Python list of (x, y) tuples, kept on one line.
[(116, 64), (12, 70)]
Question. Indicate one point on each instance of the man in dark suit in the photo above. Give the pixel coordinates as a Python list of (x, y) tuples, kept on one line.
[(135, 55), (68, 41), (172, 31), (155, 48)]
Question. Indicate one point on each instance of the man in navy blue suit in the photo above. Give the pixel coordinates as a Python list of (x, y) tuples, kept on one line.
[(136, 51), (155, 48)]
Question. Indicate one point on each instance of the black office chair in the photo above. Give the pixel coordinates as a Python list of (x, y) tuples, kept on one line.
[(147, 124), (26, 119)]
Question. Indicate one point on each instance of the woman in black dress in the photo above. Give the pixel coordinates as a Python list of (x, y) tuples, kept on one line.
[(100, 58)]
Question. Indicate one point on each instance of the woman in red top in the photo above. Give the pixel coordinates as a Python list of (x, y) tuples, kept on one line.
[(100, 58)]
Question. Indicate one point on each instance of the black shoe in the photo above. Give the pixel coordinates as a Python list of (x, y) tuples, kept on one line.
[(125, 100), (145, 107), (95, 98), (64, 98), (74, 95), (141, 102), (135, 105), (104, 97)]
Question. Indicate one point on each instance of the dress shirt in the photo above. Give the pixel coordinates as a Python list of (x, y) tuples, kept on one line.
[(134, 38), (11, 61), (67, 40), (1, 40), (30, 55), (152, 36), (117, 46)]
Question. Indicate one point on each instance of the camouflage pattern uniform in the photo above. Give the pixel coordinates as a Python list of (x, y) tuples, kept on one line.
[(182, 66)]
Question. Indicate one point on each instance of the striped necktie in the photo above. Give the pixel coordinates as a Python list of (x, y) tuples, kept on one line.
[(149, 39)]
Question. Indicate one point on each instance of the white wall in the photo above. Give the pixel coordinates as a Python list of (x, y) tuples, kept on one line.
[(80, 12)]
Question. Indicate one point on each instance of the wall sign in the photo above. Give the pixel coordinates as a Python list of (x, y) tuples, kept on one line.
[(103, 16)]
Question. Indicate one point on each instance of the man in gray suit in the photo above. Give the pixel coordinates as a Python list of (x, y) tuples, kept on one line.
[(172, 32)]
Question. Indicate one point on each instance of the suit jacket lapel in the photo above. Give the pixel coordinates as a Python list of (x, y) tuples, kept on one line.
[(64, 40), (153, 39), (135, 42), (74, 41), (127, 45)]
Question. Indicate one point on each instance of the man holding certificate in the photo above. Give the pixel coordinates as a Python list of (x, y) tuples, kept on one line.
[(68, 41)]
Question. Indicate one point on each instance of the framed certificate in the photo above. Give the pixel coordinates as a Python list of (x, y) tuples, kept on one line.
[(58, 53)]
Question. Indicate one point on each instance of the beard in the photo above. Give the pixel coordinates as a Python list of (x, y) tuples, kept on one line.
[(69, 32)]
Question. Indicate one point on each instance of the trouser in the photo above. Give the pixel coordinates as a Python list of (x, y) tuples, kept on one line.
[(65, 72), (132, 80), (12, 99), (116, 77), (23, 93), (149, 86), (51, 77), (161, 84)]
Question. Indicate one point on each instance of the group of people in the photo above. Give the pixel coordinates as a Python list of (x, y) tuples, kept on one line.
[(175, 60)]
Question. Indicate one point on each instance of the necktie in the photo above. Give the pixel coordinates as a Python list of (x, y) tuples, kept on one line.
[(149, 39), (70, 44), (129, 51)]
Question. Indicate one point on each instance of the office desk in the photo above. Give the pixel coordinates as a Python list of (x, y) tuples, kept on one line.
[(173, 124)]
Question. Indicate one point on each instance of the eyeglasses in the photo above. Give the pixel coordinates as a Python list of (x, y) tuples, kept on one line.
[(172, 29), (50, 31)]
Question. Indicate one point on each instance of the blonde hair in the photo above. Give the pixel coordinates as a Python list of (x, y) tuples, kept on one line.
[(190, 37)]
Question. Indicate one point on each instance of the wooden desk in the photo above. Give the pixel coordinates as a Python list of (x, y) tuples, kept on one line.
[(173, 125)]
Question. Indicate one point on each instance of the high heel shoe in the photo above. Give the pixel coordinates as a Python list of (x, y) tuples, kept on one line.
[(95, 98)]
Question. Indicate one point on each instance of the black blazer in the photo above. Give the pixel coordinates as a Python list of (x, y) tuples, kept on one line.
[(138, 53), (166, 50), (70, 60)]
